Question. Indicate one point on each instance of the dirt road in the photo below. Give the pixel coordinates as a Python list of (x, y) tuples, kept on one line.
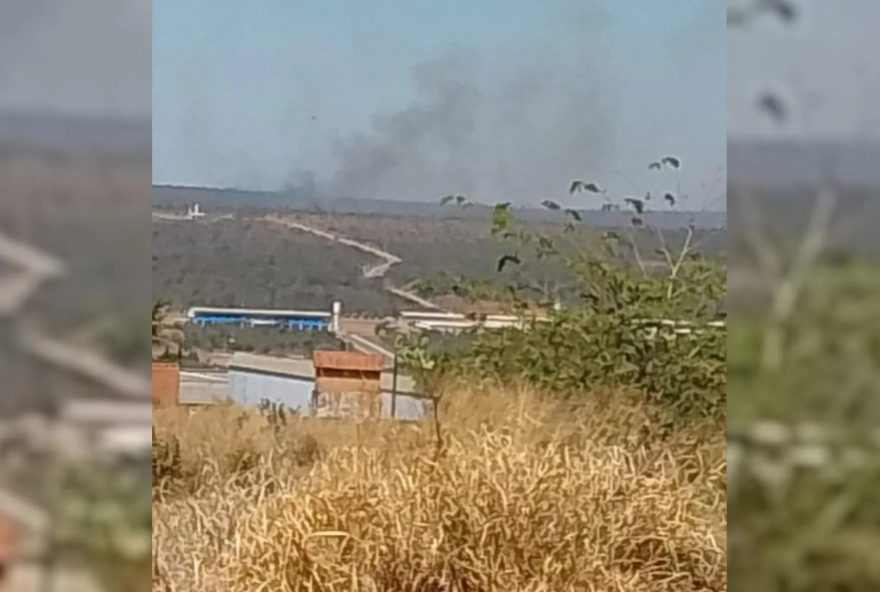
[(388, 260)]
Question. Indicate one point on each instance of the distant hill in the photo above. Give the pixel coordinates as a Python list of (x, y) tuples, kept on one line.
[(781, 178), (20, 131), (781, 164), (176, 196)]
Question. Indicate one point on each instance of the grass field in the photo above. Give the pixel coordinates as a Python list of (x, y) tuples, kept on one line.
[(509, 492)]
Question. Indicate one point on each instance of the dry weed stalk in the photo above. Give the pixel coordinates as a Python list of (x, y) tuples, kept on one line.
[(787, 283)]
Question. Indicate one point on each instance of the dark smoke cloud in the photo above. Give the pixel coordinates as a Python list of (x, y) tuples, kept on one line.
[(516, 130)]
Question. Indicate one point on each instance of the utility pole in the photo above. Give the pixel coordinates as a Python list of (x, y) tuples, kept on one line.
[(394, 389), (52, 495)]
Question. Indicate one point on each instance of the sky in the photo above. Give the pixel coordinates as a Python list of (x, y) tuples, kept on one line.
[(232, 80), (822, 66), (413, 99), (85, 58)]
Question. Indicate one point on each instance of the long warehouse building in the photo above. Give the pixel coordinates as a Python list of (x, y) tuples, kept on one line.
[(294, 319)]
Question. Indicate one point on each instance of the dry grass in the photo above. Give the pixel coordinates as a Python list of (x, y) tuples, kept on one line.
[(523, 496)]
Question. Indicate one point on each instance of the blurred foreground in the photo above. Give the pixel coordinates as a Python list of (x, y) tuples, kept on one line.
[(804, 341), (804, 426), (74, 298)]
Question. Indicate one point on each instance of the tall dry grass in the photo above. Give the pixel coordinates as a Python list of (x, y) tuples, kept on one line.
[(523, 495)]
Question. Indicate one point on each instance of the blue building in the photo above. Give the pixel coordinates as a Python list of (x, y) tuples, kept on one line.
[(292, 319)]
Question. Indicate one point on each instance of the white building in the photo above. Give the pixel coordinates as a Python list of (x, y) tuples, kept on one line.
[(195, 212)]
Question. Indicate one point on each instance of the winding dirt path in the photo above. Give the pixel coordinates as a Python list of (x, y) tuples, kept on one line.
[(388, 260), (32, 268)]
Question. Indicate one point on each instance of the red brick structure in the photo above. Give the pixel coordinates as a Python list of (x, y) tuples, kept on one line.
[(8, 547), (166, 383), (347, 383)]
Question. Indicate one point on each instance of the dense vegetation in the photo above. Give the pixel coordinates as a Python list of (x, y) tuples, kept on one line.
[(103, 521), (262, 340), (246, 261), (251, 263), (610, 334)]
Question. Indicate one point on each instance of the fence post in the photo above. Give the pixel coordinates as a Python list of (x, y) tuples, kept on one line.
[(394, 389)]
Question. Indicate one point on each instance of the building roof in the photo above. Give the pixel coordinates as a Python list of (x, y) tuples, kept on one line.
[(347, 360), (422, 314), (282, 366), (257, 312)]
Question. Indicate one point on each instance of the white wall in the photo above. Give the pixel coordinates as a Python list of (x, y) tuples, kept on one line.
[(407, 407), (252, 389)]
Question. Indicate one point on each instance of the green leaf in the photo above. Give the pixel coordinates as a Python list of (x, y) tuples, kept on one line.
[(577, 186), (501, 217), (671, 161), (636, 204)]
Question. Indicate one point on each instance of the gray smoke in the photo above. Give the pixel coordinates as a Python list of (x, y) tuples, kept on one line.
[(516, 130)]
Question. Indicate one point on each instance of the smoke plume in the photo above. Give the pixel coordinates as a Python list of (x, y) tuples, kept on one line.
[(510, 130)]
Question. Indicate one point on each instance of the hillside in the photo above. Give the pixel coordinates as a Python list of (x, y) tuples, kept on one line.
[(784, 164), (250, 263), (87, 208), (247, 261)]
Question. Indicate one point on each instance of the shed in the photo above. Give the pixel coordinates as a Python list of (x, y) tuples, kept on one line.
[(347, 383)]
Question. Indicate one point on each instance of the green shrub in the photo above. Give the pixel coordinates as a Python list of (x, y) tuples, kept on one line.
[(610, 334)]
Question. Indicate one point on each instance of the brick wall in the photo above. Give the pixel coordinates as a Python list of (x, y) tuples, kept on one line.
[(8, 548), (8, 536), (166, 383), (347, 383)]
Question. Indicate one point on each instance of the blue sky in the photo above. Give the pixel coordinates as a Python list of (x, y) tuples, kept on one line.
[(250, 94)]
